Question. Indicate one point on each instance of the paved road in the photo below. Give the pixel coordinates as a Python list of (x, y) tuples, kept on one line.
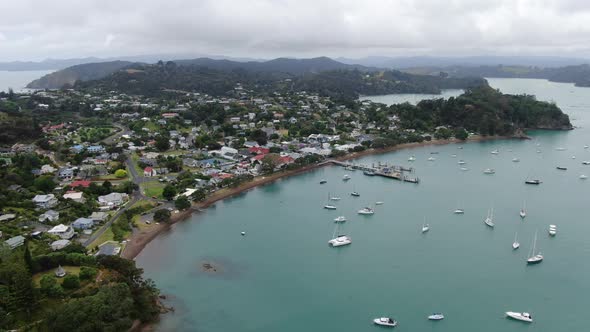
[(115, 137), (108, 224)]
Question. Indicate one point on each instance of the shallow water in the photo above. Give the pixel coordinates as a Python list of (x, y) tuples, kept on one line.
[(282, 276)]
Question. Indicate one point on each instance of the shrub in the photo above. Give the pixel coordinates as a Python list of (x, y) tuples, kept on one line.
[(120, 173), (71, 281)]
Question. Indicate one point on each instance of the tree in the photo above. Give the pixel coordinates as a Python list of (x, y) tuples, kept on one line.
[(269, 163), (162, 215), (259, 136), (49, 286), (44, 183), (107, 185), (28, 258), (87, 273), (162, 143), (120, 173), (461, 134), (169, 192), (21, 288), (182, 203), (71, 281)]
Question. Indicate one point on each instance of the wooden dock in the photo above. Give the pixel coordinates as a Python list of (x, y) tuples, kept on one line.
[(381, 169)]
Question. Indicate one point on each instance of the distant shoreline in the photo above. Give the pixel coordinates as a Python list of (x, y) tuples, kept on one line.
[(139, 240)]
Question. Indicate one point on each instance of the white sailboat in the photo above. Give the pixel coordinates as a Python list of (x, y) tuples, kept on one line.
[(535, 258), (346, 177), (340, 219), (515, 160), (489, 171), (412, 158), (458, 210), (329, 206), (425, 227), (489, 220), (431, 159), (522, 212), (496, 151), (515, 244)]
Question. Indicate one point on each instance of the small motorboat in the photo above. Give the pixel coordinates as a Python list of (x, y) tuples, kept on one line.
[(583, 177), (346, 177), (461, 162), (585, 146), (340, 219), (379, 203), (436, 316), (335, 198), (536, 181), (243, 233), (454, 156), (573, 157), (521, 316), (585, 162), (434, 152), (323, 181), (464, 169), (369, 173), (412, 158), (385, 321), (366, 211), (329, 207), (431, 159), (538, 151), (340, 240), (355, 194), (560, 149), (459, 211), (515, 160), (495, 151), (561, 168), (425, 228), (489, 171)]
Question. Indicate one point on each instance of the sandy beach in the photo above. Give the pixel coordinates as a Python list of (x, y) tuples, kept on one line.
[(140, 239)]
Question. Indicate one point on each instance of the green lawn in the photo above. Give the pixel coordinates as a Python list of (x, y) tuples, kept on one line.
[(151, 189), (69, 269), (104, 237)]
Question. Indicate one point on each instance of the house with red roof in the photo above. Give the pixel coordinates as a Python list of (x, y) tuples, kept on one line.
[(149, 171), (258, 150), (80, 183)]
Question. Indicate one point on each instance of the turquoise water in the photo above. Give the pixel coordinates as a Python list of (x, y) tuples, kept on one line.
[(282, 276)]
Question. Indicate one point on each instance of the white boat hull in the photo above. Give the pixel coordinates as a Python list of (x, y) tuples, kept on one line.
[(385, 322), (340, 241), (436, 317), (515, 245), (523, 317)]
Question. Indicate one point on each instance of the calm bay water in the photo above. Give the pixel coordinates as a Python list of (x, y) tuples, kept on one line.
[(412, 98), (17, 80), (282, 276)]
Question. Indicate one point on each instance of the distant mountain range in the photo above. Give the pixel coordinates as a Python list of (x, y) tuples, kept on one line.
[(468, 61), (93, 71)]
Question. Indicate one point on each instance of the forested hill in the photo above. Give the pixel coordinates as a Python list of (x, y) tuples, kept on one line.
[(577, 74), (152, 80), (483, 110), (83, 72)]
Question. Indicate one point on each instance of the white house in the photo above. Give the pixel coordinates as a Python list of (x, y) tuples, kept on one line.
[(63, 231), (49, 215), (60, 244), (46, 169), (99, 216), (149, 171), (113, 199), (75, 196), (45, 201)]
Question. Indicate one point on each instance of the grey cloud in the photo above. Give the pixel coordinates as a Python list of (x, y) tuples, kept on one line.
[(35, 29)]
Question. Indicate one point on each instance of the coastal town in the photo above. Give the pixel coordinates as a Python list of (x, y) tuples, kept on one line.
[(145, 155), (89, 177)]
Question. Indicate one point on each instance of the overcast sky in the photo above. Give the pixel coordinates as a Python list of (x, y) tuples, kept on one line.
[(38, 29)]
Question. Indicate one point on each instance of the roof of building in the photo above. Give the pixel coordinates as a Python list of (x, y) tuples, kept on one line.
[(80, 183), (58, 229), (107, 249), (15, 241), (6, 217)]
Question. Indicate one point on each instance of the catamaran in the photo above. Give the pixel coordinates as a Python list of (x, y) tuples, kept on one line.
[(552, 230), (366, 210), (489, 220), (340, 240), (521, 316), (515, 244), (385, 321), (535, 258)]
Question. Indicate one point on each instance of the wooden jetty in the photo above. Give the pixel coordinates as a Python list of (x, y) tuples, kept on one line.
[(381, 169)]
